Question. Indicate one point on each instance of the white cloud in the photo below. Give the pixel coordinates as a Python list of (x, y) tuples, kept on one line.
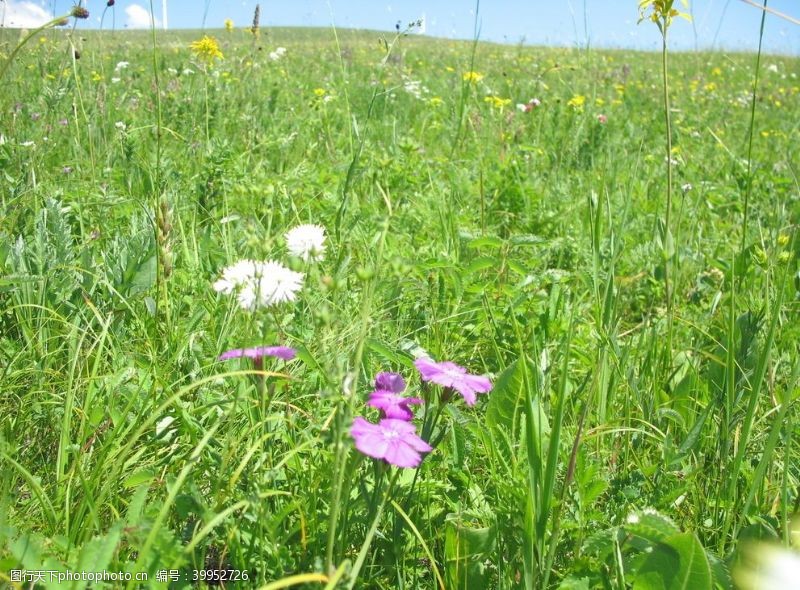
[(138, 17), (23, 15)]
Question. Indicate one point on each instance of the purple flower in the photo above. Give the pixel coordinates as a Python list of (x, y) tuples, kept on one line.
[(258, 352), (449, 374), (393, 404), (390, 382), (394, 441)]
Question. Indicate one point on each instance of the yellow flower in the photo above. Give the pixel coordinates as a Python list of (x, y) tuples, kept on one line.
[(207, 49), (435, 101), (497, 102), (228, 25), (320, 92), (716, 72), (577, 102), (783, 240), (710, 87), (96, 77), (472, 77), (598, 102)]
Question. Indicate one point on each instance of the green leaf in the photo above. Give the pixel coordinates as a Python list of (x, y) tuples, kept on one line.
[(97, 554), (466, 548), (507, 399), (486, 242), (651, 525), (679, 563)]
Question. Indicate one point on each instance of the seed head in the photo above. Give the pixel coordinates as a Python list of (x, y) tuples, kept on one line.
[(79, 12)]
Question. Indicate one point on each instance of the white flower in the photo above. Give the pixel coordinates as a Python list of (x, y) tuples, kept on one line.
[(115, 80), (122, 65), (306, 242), (259, 284), (773, 68), (120, 125), (277, 54)]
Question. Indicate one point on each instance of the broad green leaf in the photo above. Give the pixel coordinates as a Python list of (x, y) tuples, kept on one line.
[(466, 549), (679, 563), (506, 402)]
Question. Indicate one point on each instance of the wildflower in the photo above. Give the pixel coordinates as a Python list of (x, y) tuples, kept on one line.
[(206, 49), (473, 77), (63, 122), (306, 242), (320, 92), (435, 101), (783, 239), (451, 375), (67, 170), (110, 3), (121, 65), (686, 187), (497, 102), (79, 12), (529, 106), (393, 404), (120, 125), (258, 352), (277, 54), (228, 25), (772, 68), (259, 284), (390, 382), (254, 29), (602, 119), (394, 441), (577, 102)]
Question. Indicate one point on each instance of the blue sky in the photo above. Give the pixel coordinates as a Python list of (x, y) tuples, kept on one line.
[(727, 24)]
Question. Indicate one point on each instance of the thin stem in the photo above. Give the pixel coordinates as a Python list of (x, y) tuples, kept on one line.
[(666, 237), (749, 187)]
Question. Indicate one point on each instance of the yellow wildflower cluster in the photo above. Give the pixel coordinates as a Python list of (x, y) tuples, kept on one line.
[(206, 49), (661, 12), (228, 25), (472, 77), (577, 102), (497, 102)]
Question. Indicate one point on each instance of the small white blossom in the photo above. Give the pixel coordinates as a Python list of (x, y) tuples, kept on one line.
[(122, 65), (277, 54), (306, 242)]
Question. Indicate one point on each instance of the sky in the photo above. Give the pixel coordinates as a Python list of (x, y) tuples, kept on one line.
[(723, 24)]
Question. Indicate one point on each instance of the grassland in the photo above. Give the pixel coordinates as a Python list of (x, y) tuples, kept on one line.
[(633, 437)]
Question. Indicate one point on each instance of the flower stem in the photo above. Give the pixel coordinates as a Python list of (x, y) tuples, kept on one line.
[(362, 554), (666, 237)]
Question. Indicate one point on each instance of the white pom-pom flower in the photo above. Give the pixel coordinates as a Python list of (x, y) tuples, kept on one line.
[(306, 242), (259, 284)]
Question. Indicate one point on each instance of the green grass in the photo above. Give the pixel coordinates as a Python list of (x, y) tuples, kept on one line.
[(524, 246)]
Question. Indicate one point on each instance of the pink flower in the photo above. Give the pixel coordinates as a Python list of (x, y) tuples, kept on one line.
[(390, 382), (394, 441), (602, 119), (393, 404), (258, 352), (449, 374)]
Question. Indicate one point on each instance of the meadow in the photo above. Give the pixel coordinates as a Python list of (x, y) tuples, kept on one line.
[(500, 207)]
